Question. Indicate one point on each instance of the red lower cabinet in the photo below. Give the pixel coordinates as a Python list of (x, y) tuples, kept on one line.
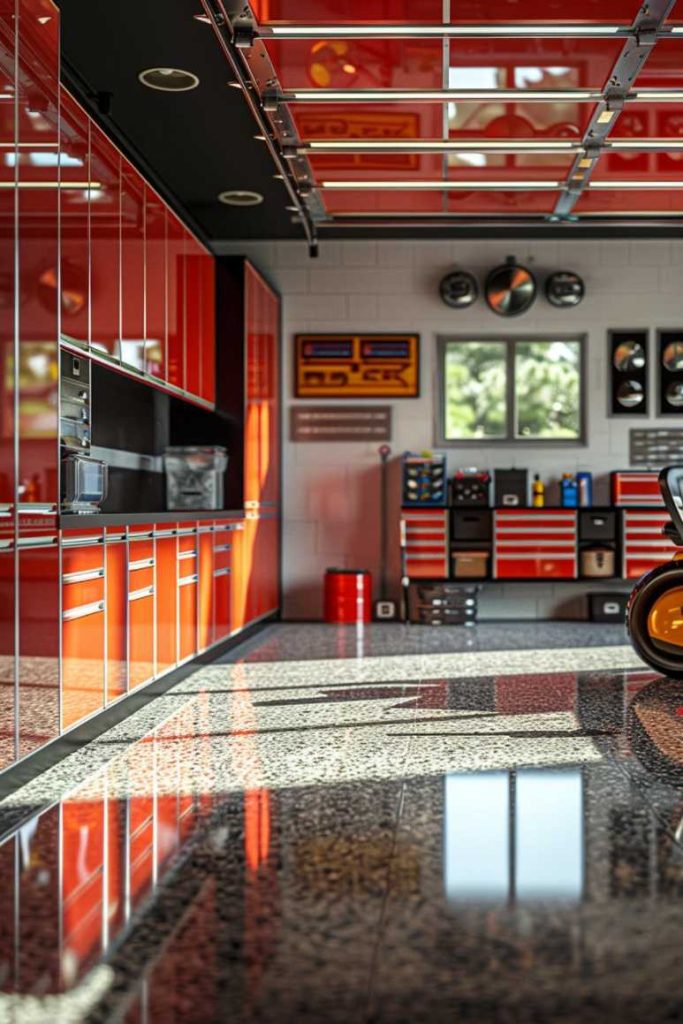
[(141, 636), (83, 631), (167, 600), (205, 609), (239, 579), (535, 544), (117, 616), (187, 611)]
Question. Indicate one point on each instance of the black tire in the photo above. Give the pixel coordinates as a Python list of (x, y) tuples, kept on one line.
[(645, 593)]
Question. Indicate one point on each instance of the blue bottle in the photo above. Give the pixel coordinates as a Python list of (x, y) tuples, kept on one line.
[(569, 491)]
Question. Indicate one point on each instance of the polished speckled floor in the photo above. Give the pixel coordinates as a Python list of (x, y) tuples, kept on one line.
[(402, 825)]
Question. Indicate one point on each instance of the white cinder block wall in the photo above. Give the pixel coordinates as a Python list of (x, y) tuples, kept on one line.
[(331, 490)]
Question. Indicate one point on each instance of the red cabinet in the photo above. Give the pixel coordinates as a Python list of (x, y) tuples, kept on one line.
[(83, 630), (132, 268), (426, 542), (176, 291), (193, 316), (644, 547), (105, 246), (188, 590), (117, 613), (167, 598), (74, 210), (222, 569), (141, 608), (205, 610), (155, 286), (208, 329), (534, 544)]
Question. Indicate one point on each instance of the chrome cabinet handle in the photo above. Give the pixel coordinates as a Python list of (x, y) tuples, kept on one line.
[(220, 572), (82, 611), (184, 555), (142, 563), (83, 577), (44, 541), (137, 595), (184, 580), (223, 547)]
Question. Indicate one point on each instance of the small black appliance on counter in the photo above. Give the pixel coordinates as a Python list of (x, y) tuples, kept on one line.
[(511, 488)]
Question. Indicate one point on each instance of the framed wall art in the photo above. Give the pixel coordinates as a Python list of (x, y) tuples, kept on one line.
[(357, 366)]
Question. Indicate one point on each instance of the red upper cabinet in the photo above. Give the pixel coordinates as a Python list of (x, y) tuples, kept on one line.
[(208, 329), (132, 268), (176, 291), (105, 245), (193, 315), (248, 381), (74, 221), (156, 340), (252, 413), (37, 172)]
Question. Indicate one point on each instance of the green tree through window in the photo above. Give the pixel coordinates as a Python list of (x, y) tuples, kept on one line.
[(541, 379)]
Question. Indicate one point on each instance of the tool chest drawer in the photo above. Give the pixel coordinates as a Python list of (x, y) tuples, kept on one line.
[(425, 534), (644, 547), (535, 544), (636, 489)]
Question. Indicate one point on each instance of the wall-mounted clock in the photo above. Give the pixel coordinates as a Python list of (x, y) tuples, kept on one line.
[(510, 289), (459, 289)]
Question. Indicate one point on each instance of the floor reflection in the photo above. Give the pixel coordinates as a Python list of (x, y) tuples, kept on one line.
[(280, 846)]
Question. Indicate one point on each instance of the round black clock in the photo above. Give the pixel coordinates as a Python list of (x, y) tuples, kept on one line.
[(459, 289), (510, 289), (564, 289)]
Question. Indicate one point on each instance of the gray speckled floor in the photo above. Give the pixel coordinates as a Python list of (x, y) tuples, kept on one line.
[(404, 825)]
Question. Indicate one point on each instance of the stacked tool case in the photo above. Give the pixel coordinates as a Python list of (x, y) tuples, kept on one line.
[(442, 604)]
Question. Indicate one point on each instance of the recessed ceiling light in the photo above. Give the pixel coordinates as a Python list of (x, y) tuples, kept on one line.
[(240, 197), (168, 79)]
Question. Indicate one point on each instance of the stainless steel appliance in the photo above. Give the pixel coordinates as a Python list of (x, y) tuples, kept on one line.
[(84, 483), (195, 477), (83, 479)]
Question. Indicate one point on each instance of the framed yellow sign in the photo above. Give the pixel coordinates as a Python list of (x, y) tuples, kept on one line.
[(357, 365)]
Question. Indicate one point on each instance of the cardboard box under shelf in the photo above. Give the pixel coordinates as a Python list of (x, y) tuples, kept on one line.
[(470, 564)]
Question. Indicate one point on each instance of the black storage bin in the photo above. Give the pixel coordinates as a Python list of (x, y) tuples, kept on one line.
[(608, 607), (471, 524), (426, 593), (595, 524), (511, 488)]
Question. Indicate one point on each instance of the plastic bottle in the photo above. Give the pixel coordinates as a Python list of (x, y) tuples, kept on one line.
[(538, 492)]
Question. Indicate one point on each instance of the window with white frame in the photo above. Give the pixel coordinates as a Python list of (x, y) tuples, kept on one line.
[(511, 389)]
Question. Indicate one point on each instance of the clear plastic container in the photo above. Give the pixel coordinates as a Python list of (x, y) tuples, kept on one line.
[(195, 477)]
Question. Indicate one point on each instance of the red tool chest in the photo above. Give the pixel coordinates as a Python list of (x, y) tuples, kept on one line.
[(644, 547), (534, 544), (426, 542), (636, 489)]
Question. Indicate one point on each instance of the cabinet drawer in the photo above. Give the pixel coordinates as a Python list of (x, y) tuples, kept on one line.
[(187, 564), (140, 578), (187, 541), (83, 589), (140, 550), (222, 555), (540, 566), (80, 560)]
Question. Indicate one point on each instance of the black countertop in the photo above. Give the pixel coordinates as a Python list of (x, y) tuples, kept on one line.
[(101, 519)]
